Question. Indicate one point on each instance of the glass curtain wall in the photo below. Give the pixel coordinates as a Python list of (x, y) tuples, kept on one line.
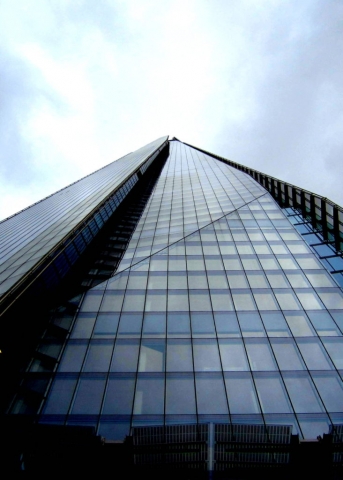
[(219, 312)]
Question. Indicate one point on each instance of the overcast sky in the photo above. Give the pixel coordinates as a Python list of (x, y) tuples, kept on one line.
[(83, 82)]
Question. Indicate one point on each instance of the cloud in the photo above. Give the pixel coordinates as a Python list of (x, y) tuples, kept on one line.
[(83, 83)]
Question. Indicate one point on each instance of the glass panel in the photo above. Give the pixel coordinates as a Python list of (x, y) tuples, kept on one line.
[(314, 354), (251, 325), (227, 325), (89, 396), (152, 356), (177, 281), (260, 354), (243, 301), (106, 325), (72, 358), (130, 325), (302, 393), (309, 300), (241, 393), (211, 398), (98, 357), (287, 354), (299, 324), (154, 324), (178, 325), (125, 356), (287, 300), (330, 389), (277, 280), (112, 302), (134, 301), (257, 280), (180, 395), (320, 279), (155, 301), (237, 280), (221, 300), (178, 300), (233, 355), (91, 302), (199, 301), (297, 280), (272, 394), (275, 324), (119, 396), (202, 324), (335, 348), (83, 326), (265, 300), (156, 281), (60, 396), (179, 356), (333, 299), (149, 397), (206, 355)]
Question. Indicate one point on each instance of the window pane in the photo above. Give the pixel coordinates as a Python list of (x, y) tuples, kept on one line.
[(299, 324), (154, 324), (178, 300), (72, 357), (112, 301), (202, 324), (211, 398), (151, 358), (314, 354), (180, 395), (241, 393), (106, 325), (275, 324), (179, 356), (83, 326), (149, 397), (287, 354), (243, 301), (125, 356), (119, 396), (226, 324), (221, 300), (272, 394), (302, 393), (130, 325), (60, 396), (330, 389), (98, 357), (89, 396), (324, 324), (206, 356), (233, 355), (251, 324), (199, 301), (260, 354), (178, 325)]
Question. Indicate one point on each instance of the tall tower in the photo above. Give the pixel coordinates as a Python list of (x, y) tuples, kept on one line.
[(174, 287)]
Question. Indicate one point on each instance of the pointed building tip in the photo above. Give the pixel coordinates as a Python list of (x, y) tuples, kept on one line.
[(174, 139)]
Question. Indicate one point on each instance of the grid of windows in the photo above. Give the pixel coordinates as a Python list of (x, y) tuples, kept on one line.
[(26, 237), (220, 312)]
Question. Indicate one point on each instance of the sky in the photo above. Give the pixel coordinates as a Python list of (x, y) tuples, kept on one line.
[(84, 82)]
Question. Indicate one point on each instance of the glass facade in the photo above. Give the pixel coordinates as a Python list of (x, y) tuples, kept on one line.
[(219, 311), (60, 227)]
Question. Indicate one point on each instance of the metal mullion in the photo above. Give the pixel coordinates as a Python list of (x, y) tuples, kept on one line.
[(190, 323), (84, 360), (113, 348)]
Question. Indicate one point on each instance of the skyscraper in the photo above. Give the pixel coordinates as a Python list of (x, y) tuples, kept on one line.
[(174, 287)]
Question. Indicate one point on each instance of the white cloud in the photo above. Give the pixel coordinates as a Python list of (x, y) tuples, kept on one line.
[(84, 83)]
